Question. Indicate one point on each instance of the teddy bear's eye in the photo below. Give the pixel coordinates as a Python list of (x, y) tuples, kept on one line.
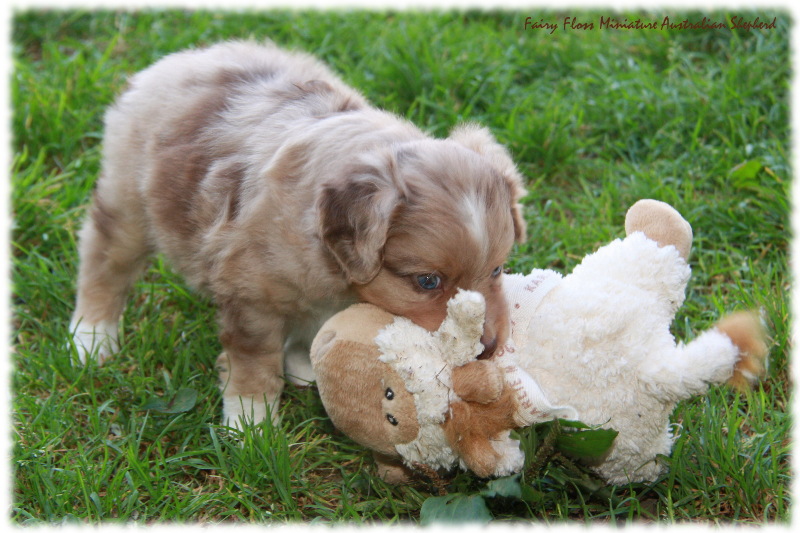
[(392, 420), (389, 394)]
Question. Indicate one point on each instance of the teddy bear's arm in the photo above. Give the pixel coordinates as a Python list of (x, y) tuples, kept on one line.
[(478, 381)]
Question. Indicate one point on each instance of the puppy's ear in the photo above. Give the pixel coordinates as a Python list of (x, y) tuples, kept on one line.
[(480, 140), (354, 217)]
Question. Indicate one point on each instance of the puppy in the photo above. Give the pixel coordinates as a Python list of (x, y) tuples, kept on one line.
[(277, 189)]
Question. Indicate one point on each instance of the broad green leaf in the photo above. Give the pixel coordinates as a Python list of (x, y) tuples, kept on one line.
[(548, 426), (454, 509), (507, 487), (744, 174), (586, 444), (572, 424), (531, 495), (154, 404), (184, 400)]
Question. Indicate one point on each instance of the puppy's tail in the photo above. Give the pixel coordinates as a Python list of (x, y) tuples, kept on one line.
[(746, 331)]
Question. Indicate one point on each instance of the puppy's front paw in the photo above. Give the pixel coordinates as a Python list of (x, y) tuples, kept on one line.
[(239, 410), (94, 341), (243, 409), (746, 332)]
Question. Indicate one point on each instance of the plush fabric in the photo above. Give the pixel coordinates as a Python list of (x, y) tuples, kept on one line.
[(593, 345), (598, 339)]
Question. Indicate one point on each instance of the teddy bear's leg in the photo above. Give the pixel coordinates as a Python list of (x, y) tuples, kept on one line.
[(691, 367), (661, 223), (472, 429), (480, 456), (652, 258), (733, 351), (511, 457)]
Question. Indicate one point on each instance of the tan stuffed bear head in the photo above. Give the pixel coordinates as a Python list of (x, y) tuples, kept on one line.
[(364, 397), (417, 397)]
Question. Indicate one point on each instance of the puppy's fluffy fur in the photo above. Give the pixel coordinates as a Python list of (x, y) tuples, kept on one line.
[(270, 184)]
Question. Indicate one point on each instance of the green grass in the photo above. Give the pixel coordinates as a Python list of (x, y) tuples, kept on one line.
[(595, 119)]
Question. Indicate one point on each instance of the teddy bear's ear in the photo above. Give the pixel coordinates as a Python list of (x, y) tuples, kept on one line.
[(660, 222), (322, 345)]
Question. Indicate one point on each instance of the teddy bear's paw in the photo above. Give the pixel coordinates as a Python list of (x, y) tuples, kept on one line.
[(511, 458), (481, 460), (478, 381), (746, 331), (660, 222)]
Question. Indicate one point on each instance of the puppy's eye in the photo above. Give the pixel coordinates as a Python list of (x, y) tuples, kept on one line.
[(429, 282), (392, 420), (497, 271), (389, 394)]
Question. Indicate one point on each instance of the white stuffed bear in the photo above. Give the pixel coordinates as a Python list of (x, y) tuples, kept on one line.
[(593, 345), (598, 339)]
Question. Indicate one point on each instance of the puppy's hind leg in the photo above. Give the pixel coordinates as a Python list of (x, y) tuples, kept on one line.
[(297, 363), (113, 249)]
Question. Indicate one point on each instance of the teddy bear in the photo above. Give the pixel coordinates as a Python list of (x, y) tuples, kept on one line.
[(599, 341), (422, 399), (592, 346)]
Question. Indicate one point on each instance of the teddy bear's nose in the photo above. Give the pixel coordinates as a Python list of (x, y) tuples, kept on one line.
[(489, 346)]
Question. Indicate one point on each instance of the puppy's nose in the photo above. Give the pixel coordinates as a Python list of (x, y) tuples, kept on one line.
[(489, 346)]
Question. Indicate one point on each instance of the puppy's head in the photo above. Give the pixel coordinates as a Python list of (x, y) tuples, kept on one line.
[(414, 224)]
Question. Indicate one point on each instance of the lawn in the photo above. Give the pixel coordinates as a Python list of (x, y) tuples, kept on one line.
[(596, 118)]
